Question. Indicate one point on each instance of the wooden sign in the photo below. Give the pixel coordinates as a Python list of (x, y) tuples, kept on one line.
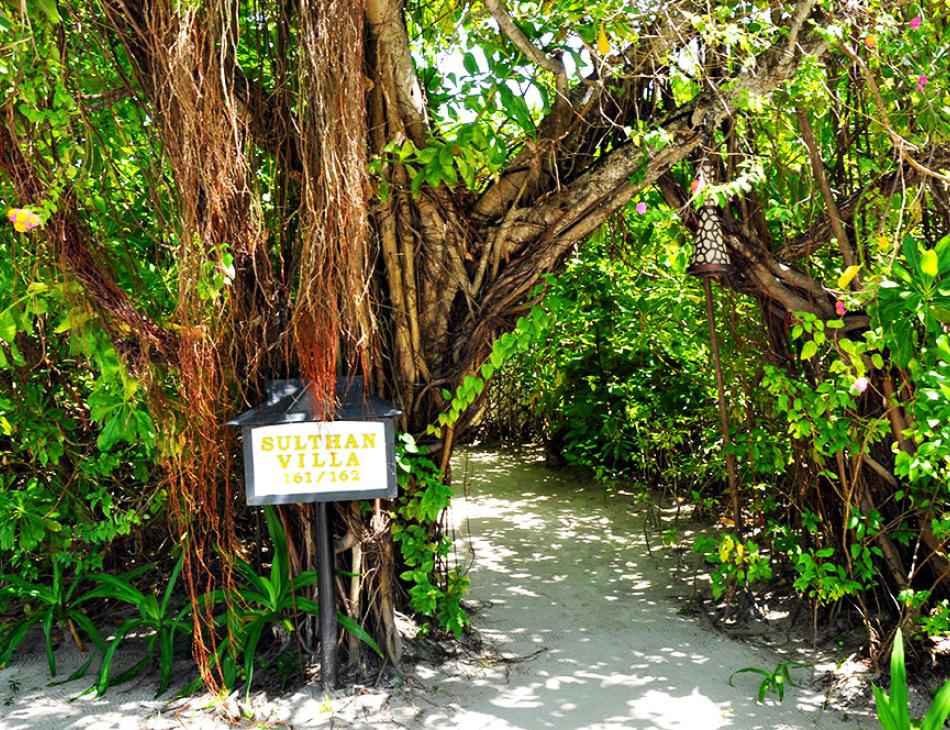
[(316, 461), (289, 457)]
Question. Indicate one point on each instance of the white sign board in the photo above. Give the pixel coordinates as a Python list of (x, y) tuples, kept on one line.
[(317, 461)]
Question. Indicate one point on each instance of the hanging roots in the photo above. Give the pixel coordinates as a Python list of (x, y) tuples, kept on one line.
[(183, 53), (184, 56), (332, 306)]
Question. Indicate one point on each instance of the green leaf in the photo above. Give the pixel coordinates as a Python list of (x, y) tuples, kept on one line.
[(112, 433), (250, 649), (170, 587), (470, 64), (83, 622), (911, 253), (47, 626), (809, 350), (13, 640), (434, 174), (899, 682), (884, 714), (750, 670), (74, 318), (939, 710), (359, 632), (928, 263), (48, 8), (105, 668), (7, 326), (943, 253)]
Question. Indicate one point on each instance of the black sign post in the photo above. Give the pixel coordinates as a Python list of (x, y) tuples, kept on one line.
[(290, 458), (327, 596)]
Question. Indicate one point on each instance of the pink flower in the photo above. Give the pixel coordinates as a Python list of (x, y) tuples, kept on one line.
[(916, 22), (696, 185), (840, 308), (860, 385), (921, 82), (641, 207)]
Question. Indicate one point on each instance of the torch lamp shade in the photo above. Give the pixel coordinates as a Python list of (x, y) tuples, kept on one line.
[(710, 257)]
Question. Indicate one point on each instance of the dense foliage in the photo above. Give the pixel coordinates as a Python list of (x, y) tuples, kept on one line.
[(838, 418)]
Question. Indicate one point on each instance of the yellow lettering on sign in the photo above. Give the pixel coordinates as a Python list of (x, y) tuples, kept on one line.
[(314, 461)]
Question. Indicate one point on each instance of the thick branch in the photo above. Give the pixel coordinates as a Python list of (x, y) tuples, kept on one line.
[(544, 234), (582, 206), (388, 32)]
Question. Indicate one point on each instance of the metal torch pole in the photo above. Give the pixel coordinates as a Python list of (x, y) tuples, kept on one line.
[(327, 599), (723, 407)]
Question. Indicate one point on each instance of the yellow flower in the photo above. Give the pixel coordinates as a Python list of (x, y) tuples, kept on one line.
[(23, 219)]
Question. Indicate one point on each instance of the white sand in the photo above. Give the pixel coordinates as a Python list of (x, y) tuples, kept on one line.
[(566, 590)]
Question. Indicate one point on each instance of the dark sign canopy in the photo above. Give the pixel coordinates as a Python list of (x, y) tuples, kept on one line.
[(291, 401)]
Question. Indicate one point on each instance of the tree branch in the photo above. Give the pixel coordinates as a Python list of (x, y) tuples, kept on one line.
[(757, 271), (545, 232), (589, 200), (820, 233), (578, 124), (818, 170), (901, 144), (507, 26)]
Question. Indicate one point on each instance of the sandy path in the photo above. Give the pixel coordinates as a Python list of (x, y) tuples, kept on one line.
[(563, 581), (562, 571)]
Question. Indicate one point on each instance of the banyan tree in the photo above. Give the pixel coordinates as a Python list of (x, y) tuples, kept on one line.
[(237, 191)]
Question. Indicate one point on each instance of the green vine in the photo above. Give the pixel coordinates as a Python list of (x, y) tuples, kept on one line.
[(436, 592)]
